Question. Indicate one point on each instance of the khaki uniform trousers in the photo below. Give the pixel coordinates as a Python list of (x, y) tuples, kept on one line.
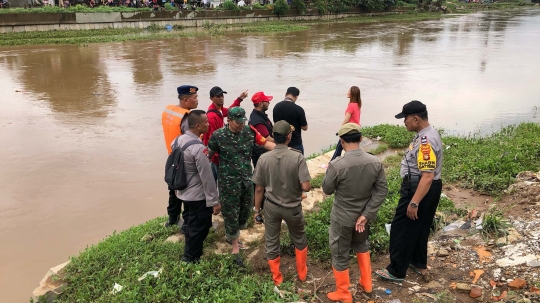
[(342, 240), (294, 217)]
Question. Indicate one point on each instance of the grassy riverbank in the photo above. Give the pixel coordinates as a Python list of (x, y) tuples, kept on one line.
[(82, 37), (123, 258), (487, 163)]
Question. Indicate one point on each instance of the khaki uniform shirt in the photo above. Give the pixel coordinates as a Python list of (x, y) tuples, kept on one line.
[(425, 154), (360, 186), (281, 171), (197, 166)]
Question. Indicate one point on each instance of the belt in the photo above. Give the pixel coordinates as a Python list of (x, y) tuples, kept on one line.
[(411, 178), (415, 179), (278, 205)]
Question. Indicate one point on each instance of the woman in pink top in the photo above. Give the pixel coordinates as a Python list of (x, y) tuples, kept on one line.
[(352, 114)]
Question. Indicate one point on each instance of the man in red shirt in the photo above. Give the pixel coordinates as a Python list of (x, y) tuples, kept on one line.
[(259, 120), (216, 114)]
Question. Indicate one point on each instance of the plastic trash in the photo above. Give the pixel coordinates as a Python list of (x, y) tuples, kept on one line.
[(388, 292), (394, 301), (168, 27), (388, 228), (454, 225), (154, 273), (478, 223), (116, 288)]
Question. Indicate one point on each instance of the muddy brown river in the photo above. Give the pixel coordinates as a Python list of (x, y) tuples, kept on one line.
[(82, 150)]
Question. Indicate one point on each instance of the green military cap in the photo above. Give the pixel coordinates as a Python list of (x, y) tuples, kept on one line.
[(349, 128), (237, 114), (283, 128)]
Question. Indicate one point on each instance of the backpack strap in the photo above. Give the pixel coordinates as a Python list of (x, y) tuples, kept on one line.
[(188, 144), (175, 143), (215, 111), (192, 142)]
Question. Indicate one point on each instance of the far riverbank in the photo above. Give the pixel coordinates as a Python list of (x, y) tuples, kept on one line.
[(141, 24)]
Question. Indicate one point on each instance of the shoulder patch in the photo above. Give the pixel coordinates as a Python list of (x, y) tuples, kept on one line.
[(423, 140), (205, 151)]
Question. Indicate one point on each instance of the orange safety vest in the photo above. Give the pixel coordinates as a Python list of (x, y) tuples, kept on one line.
[(171, 120)]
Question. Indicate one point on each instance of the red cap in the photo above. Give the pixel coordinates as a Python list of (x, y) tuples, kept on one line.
[(259, 97)]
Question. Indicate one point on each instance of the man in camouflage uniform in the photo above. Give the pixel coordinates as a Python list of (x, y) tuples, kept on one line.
[(234, 144)]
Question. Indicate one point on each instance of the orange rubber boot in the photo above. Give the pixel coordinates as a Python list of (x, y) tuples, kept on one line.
[(276, 273), (364, 264), (342, 293), (301, 263)]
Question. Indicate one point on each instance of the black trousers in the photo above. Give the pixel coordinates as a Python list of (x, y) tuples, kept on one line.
[(199, 221), (175, 207), (409, 238)]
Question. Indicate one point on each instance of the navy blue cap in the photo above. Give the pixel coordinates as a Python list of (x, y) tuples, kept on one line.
[(187, 90)]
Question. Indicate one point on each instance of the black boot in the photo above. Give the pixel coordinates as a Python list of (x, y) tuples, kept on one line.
[(173, 220), (183, 228)]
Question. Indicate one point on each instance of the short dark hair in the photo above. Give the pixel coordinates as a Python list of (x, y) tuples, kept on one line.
[(180, 97), (280, 139), (352, 138), (423, 115), (293, 91), (195, 117)]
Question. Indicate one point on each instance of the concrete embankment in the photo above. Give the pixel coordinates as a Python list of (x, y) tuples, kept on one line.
[(18, 22)]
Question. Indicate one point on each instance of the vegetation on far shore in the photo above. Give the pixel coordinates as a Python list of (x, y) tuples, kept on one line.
[(83, 37), (429, 10), (487, 163)]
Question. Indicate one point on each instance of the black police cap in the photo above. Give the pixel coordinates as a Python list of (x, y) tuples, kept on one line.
[(413, 107)]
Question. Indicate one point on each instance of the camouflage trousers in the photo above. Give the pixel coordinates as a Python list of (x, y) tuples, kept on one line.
[(236, 205)]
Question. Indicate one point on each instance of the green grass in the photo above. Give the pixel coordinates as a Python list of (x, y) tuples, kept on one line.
[(317, 181), (83, 37), (123, 258), (317, 223), (441, 297), (380, 149), (393, 135), (494, 224), (322, 152), (490, 163)]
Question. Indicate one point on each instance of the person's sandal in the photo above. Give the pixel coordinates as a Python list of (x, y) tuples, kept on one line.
[(425, 276), (240, 244), (383, 273)]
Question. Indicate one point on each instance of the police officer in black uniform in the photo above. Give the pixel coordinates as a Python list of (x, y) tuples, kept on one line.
[(419, 196)]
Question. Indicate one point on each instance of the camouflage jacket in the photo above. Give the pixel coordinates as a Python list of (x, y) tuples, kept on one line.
[(234, 153)]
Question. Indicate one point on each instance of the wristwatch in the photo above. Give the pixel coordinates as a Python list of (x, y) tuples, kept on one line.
[(413, 205), (256, 210)]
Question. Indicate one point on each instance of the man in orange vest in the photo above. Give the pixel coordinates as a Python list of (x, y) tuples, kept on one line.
[(173, 126)]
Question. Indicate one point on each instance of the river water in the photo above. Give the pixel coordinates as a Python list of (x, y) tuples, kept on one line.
[(82, 150)]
